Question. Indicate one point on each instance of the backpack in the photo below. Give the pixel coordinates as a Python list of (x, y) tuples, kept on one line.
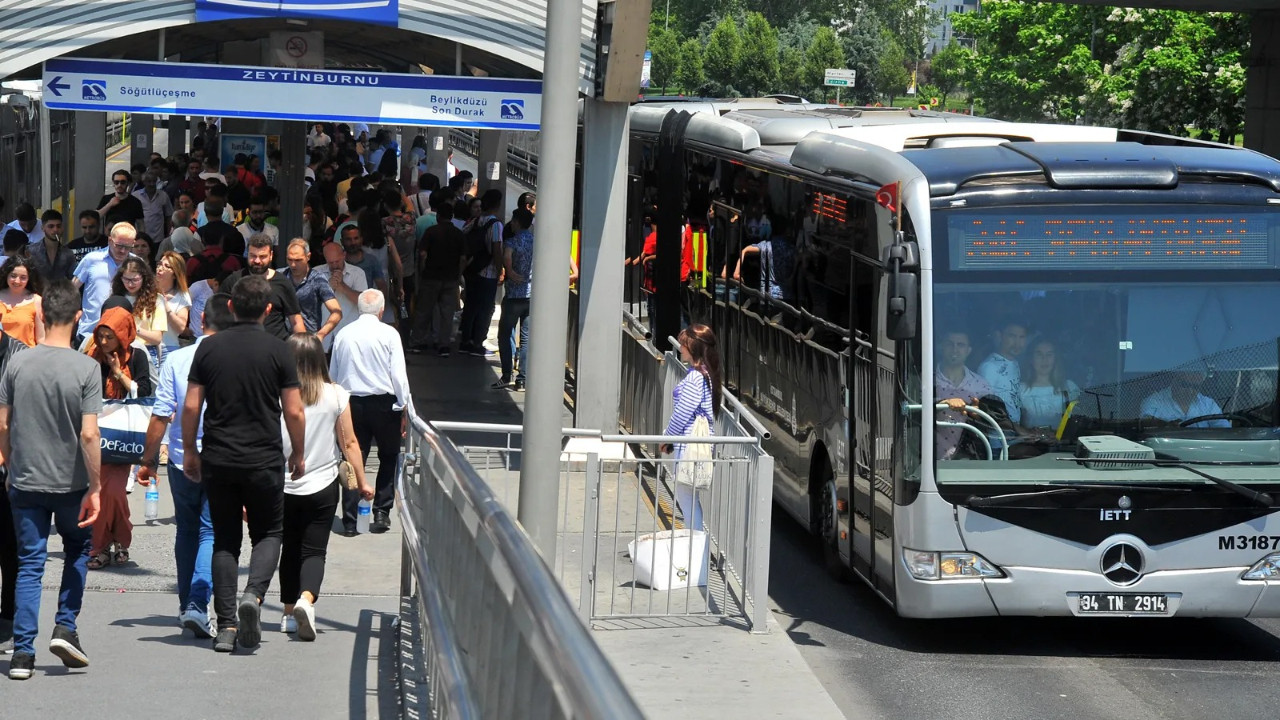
[(479, 248), (208, 266)]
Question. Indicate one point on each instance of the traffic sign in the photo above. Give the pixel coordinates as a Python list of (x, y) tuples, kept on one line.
[(840, 77), (276, 93)]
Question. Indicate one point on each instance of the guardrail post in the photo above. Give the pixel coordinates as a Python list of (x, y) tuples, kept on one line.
[(760, 530), (590, 540)]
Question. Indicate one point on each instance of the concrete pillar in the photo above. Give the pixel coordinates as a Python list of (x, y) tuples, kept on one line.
[(90, 166), (178, 136), (289, 181), (1262, 88), (492, 165), (604, 227), (142, 129), (408, 169), (438, 153)]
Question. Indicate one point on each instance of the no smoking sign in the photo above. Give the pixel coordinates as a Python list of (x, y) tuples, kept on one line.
[(296, 46)]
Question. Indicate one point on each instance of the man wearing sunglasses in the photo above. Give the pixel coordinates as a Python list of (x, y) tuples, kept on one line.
[(120, 205)]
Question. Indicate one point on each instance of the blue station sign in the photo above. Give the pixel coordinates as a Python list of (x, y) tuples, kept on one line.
[(381, 12), (275, 93)]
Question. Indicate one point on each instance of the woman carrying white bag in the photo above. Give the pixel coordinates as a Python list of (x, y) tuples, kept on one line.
[(696, 403)]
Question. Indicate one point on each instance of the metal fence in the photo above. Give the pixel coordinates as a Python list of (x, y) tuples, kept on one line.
[(522, 153), (498, 636)]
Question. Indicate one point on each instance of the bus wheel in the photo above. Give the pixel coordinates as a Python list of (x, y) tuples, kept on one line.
[(829, 532)]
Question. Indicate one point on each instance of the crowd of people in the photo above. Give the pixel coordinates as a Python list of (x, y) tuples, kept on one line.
[(268, 363)]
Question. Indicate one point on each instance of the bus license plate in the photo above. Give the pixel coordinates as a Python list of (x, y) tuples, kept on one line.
[(1123, 603)]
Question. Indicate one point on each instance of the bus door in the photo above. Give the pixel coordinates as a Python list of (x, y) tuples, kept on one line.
[(724, 248)]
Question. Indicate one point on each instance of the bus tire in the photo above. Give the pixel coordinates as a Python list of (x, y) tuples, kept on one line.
[(828, 531)]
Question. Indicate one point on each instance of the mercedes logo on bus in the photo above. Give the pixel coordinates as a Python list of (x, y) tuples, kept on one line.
[(1122, 564)]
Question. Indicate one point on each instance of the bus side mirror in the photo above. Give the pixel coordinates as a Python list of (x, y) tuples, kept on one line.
[(902, 310)]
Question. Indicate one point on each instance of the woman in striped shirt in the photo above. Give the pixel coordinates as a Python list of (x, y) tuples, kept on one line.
[(697, 396)]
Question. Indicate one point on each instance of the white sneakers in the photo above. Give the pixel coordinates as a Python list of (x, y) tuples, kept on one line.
[(304, 615), (198, 623), (288, 624)]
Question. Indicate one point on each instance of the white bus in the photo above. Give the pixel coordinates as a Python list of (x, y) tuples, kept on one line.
[(1104, 305)]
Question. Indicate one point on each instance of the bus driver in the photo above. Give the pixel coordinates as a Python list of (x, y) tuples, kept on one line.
[(1182, 400)]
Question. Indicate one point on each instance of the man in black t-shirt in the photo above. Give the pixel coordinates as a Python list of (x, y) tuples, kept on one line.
[(91, 237), (244, 380), (285, 317), (121, 205)]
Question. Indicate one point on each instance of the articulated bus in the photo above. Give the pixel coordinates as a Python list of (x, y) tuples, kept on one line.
[(1009, 369)]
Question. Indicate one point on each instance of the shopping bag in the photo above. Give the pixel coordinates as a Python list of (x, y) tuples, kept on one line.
[(694, 467), (670, 560), (123, 425)]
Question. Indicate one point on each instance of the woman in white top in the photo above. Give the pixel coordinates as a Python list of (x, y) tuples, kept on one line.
[(171, 281), (1045, 392), (310, 501)]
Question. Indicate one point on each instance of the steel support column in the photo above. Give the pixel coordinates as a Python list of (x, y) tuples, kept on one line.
[(544, 402), (491, 167), (289, 181), (178, 138), (438, 153), (142, 135), (604, 226)]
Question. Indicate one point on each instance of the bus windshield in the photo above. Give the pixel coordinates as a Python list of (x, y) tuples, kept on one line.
[(1110, 331)]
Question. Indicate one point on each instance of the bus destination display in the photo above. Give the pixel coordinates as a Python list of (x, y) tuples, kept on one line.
[(1033, 240)]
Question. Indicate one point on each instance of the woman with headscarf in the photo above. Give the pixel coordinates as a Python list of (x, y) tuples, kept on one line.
[(182, 241), (126, 373)]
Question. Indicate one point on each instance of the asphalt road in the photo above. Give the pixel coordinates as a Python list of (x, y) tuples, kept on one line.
[(877, 665)]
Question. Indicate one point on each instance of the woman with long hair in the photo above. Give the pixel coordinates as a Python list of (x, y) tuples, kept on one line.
[(1045, 391), (310, 501), (171, 287), (697, 396), (23, 313), (137, 284), (126, 373)]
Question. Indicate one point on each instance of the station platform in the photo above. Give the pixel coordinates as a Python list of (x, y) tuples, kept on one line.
[(144, 666)]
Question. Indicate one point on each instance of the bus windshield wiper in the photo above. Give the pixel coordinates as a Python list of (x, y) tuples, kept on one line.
[(1073, 489), (1261, 498)]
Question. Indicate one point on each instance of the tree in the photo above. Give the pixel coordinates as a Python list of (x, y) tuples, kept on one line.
[(665, 47), (891, 76), (690, 76), (791, 71), (909, 22), (758, 59), (721, 57), (946, 70), (863, 42), (823, 52)]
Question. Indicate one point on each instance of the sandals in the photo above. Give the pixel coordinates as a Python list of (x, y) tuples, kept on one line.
[(99, 561), (121, 557)]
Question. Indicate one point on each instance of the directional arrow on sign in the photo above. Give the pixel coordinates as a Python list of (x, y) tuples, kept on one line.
[(56, 86)]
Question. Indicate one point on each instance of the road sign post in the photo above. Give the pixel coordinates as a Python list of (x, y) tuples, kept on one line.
[(839, 78)]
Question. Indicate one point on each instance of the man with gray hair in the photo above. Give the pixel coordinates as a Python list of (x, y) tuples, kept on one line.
[(368, 360)]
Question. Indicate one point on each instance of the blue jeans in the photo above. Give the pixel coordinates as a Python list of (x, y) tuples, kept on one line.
[(32, 514), (513, 310), (193, 542), (477, 311)]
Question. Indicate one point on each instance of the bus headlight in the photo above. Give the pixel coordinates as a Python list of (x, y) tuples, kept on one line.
[(926, 565), (1268, 568)]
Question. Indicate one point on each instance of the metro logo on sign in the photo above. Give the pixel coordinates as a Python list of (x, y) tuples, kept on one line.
[(382, 12), (95, 90), (512, 109)]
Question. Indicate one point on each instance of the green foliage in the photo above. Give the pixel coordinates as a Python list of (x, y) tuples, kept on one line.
[(863, 43), (908, 21), (891, 76), (758, 59), (721, 58), (665, 47), (823, 52), (791, 71), (946, 69), (690, 76)]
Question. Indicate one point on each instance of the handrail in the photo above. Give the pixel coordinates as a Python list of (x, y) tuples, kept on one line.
[(969, 428), (1004, 440), (454, 426), (589, 682)]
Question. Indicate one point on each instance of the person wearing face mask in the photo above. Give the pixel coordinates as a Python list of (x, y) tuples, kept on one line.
[(1182, 401)]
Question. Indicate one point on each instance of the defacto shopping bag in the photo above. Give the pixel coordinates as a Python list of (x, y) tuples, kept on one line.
[(670, 559), (123, 424)]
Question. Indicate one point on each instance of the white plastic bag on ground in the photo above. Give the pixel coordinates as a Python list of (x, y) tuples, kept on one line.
[(670, 560)]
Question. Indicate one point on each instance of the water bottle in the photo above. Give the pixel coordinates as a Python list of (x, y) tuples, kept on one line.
[(364, 515), (153, 499)]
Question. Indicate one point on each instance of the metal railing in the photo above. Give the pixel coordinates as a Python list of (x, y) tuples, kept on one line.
[(522, 153), (631, 542), (499, 637)]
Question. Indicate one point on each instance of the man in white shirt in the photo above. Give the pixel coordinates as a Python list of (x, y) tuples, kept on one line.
[(156, 207), (347, 281), (1001, 369), (1182, 400), (28, 222), (96, 270), (368, 361)]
